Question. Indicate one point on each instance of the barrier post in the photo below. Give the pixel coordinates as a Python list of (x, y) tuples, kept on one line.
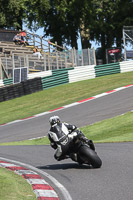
[(65, 59), (27, 62), (125, 54), (57, 63), (49, 60), (94, 56), (89, 56), (44, 56), (41, 43)]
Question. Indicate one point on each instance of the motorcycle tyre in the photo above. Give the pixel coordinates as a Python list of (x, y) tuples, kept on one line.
[(90, 155)]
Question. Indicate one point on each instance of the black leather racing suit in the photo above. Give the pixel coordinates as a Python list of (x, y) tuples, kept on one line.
[(60, 135)]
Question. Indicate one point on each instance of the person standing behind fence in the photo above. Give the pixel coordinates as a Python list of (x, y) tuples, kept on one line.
[(37, 52)]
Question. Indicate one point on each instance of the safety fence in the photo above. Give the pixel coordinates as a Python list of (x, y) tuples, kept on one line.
[(126, 66), (1, 83), (58, 77), (84, 57), (43, 80), (107, 69), (47, 60), (81, 73)]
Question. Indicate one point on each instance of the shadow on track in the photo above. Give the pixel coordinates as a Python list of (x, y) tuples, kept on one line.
[(64, 166)]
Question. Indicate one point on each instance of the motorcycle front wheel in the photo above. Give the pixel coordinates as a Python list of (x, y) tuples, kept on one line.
[(91, 156)]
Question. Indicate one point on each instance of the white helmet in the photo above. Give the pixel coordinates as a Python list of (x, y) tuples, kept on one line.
[(54, 119)]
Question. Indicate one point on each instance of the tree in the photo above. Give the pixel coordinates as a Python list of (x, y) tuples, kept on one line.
[(63, 19), (109, 17), (11, 13), (57, 18)]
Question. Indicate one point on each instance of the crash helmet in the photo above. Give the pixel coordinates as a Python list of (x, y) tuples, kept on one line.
[(53, 120)]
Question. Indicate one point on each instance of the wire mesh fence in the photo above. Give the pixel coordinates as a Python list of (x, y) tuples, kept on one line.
[(84, 57), (49, 60)]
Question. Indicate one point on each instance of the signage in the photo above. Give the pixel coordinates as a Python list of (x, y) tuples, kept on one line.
[(113, 51)]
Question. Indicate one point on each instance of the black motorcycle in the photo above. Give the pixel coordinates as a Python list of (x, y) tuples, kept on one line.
[(85, 152)]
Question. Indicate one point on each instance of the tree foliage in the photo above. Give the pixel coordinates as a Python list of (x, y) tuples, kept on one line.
[(109, 18), (63, 20), (11, 13)]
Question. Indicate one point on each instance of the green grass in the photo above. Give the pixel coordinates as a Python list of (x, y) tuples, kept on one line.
[(58, 96), (117, 129), (14, 187), (42, 141)]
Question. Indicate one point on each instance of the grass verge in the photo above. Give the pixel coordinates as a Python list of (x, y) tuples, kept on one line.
[(116, 129), (59, 96), (14, 187)]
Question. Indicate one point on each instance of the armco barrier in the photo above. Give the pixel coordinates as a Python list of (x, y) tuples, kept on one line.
[(8, 81), (81, 73), (126, 66), (1, 83), (58, 77), (40, 74), (107, 69), (60, 71), (53, 78)]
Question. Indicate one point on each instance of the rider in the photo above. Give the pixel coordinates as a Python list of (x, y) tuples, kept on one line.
[(60, 136)]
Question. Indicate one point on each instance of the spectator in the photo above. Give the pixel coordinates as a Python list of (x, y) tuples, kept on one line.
[(37, 52), (17, 39), (23, 39), (20, 39)]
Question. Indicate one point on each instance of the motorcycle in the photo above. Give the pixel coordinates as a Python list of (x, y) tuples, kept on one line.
[(85, 154)]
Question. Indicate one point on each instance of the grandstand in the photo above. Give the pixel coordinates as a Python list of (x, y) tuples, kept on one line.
[(8, 48), (53, 57)]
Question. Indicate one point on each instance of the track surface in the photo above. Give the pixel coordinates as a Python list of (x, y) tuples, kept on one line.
[(83, 114), (113, 181)]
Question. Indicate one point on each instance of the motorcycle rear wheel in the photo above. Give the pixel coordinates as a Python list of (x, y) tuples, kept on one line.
[(88, 154)]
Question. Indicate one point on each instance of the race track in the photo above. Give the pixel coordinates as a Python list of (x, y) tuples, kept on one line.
[(83, 114), (114, 179)]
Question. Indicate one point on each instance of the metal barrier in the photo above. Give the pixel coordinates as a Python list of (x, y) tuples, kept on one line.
[(53, 78), (84, 57), (60, 57), (126, 66), (12, 62), (107, 69), (49, 60), (53, 56)]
